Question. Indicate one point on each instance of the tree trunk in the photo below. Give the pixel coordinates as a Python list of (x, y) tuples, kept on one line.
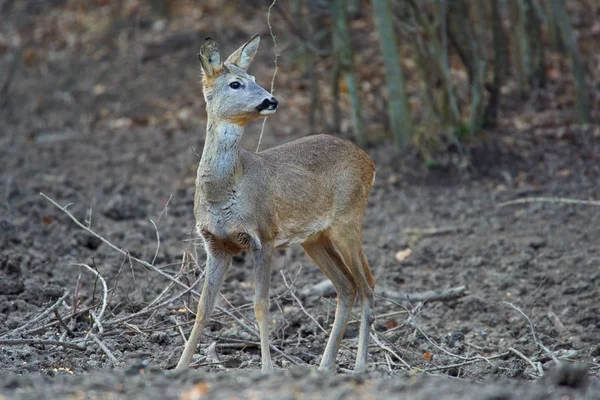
[(582, 99), (398, 110), (500, 58), (343, 47), (537, 78)]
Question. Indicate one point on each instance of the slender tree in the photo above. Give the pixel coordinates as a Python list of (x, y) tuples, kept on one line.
[(343, 48), (567, 34), (398, 111)]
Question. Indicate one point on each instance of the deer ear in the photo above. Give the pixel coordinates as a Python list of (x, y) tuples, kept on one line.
[(243, 56), (209, 57)]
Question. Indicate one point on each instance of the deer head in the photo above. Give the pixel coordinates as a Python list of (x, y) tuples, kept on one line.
[(231, 93)]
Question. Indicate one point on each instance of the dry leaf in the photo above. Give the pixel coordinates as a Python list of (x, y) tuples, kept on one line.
[(403, 254), (564, 172), (391, 323), (197, 392)]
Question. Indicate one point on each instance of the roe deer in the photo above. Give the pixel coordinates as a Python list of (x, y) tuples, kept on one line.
[(311, 192)]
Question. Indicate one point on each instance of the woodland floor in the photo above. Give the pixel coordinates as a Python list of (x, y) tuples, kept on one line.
[(90, 120)]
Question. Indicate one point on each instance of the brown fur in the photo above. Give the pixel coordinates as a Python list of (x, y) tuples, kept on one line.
[(311, 192)]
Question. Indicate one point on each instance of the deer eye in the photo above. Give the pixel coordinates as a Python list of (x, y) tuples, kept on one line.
[(235, 85)]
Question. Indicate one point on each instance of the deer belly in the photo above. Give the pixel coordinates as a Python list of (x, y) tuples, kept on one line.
[(297, 233)]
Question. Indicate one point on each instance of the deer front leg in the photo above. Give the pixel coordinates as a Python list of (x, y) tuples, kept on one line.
[(217, 265), (262, 267)]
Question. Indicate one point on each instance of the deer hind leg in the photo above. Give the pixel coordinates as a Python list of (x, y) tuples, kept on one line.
[(349, 242), (323, 252)]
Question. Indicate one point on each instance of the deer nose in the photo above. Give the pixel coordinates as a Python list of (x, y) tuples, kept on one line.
[(268, 104)]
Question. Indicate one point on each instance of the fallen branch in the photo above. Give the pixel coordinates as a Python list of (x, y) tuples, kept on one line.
[(167, 276), (429, 296), (98, 318), (63, 324), (433, 231), (54, 323), (104, 349), (300, 303), (325, 289), (262, 130), (535, 339), (538, 368), (41, 316), (462, 364), (383, 346), (552, 200), (67, 345), (212, 356)]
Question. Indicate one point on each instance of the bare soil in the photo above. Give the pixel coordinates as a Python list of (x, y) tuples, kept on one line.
[(112, 123)]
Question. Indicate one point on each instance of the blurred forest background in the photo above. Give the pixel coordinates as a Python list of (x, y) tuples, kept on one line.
[(462, 104), (433, 74)]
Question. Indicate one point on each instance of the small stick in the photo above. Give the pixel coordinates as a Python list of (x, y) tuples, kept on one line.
[(240, 346), (204, 364), (558, 325), (389, 362), (114, 289), (170, 285), (134, 328), (104, 349), (97, 320), (537, 342), (148, 309), (436, 345), (433, 231), (387, 315), (54, 323), (41, 316), (388, 349), (165, 210), (433, 295), (462, 364), (212, 356), (67, 345), (62, 323), (537, 368), (76, 294), (552, 200), (262, 130), (97, 323), (157, 242), (300, 303)]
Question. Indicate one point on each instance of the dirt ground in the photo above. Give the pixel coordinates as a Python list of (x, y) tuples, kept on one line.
[(110, 121)]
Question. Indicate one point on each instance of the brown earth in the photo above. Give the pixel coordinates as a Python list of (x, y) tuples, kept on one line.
[(110, 119)]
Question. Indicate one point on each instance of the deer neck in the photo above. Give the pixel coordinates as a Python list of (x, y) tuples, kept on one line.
[(220, 168)]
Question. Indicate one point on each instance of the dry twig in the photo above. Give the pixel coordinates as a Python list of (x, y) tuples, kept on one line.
[(535, 339), (383, 346), (40, 317), (462, 364), (274, 71), (104, 349), (67, 345), (63, 324), (552, 200), (300, 303), (538, 368), (429, 296), (212, 356), (97, 319), (167, 276)]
